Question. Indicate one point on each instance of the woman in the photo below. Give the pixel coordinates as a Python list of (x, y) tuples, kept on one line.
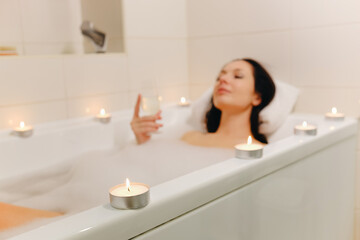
[(242, 89)]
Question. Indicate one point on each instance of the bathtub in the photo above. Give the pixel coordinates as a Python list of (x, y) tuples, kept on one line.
[(302, 187)]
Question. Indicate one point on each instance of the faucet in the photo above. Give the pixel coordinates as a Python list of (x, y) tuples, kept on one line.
[(97, 37)]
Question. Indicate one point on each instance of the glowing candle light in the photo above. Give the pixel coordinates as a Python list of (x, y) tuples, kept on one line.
[(129, 195), (128, 184), (334, 115), (305, 129), (23, 130), (103, 116), (249, 141), (249, 150), (128, 189), (183, 102)]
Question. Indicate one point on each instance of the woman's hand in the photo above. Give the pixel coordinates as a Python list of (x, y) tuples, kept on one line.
[(143, 126)]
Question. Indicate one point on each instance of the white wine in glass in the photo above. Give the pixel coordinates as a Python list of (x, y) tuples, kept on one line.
[(150, 104)]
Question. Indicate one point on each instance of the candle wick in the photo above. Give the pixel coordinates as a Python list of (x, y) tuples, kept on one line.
[(129, 189)]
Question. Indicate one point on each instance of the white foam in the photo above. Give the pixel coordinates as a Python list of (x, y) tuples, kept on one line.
[(81, 183)]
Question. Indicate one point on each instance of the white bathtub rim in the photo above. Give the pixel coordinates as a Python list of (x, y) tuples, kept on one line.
[(60, 125), (164, 198)]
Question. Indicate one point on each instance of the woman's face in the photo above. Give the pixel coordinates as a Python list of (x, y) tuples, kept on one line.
[(235, 87)]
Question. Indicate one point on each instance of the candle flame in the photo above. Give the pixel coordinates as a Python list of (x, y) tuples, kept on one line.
[(304, 124), (102, 111), (160, 98), (22, 124), (334, 110), (249, 141), (182, 99), (128, 184)]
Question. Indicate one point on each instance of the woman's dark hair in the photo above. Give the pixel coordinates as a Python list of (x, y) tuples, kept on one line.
[(264, 86)]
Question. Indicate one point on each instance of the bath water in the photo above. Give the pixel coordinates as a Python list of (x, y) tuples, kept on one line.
[(83, 182)]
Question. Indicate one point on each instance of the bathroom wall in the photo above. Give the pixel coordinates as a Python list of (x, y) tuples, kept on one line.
[(312, 44), (42, 88), (41, 26), (107, 17), (53, 27)]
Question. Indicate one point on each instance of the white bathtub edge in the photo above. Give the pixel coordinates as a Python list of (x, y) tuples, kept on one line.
[(192, 190)]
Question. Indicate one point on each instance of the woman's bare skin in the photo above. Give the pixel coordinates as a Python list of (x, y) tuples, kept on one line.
[(198, 138), (234, 94), (143, 126)]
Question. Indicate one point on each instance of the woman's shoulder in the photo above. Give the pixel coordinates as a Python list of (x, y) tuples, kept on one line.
[(191, 135), (194, 138), (201, 139)]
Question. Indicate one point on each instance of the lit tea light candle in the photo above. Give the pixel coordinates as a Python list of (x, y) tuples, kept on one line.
[(23, 130), (183, 102), (103, 116), (129, 195), (335, 115), (305, 129), (248, 150)]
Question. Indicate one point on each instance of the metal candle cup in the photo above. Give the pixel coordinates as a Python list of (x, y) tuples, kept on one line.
[(23, 130), (138, 196), (305, 129), (334, 115), (103, 117), (249, 150)]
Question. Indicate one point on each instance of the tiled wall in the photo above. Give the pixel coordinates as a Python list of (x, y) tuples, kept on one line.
[(107, 17), (312, 44), (45, 88), (37, 27), (41, 26), (156, 43)]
